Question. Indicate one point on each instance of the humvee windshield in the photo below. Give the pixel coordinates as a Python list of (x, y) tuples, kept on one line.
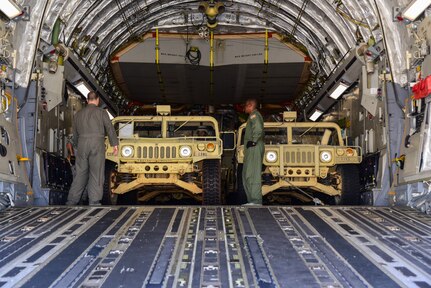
[(175, 129), (300, 135), (190, 129), (273, 135), (142, 129), (314, 136)]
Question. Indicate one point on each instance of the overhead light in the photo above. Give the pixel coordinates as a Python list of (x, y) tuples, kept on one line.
[(415, 8), (316, 114), (340, 88), (10, 8), (82, 88)]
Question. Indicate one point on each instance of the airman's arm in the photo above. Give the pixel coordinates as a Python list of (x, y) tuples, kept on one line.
[(110, 130), (257, 129)]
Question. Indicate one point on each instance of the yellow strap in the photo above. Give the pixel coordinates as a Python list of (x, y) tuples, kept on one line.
[(266, 47), (22, 159), (157, 46)]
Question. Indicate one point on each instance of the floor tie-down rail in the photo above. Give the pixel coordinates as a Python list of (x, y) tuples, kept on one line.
[(214, 247)]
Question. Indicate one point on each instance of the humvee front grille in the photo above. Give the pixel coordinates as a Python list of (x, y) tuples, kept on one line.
[(156, 152), (299, 156)]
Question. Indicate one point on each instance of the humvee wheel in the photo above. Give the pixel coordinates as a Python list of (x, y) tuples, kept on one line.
[(109, 198), (211, 182), (349, 185), (129, 198)]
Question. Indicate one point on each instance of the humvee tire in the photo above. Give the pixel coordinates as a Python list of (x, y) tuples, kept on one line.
[(109, 198), (129, 198), (350, 185), (211, 182)]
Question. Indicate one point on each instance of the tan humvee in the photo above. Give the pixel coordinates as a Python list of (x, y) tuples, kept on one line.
[(306, 156), (159, 154)]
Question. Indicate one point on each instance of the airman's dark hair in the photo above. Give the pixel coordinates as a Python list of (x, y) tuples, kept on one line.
[(92, 96), (254, 101)]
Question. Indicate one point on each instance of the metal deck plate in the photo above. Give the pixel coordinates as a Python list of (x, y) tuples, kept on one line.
[(214, 247)]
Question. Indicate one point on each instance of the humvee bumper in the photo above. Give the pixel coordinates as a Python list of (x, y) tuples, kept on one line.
[(171, 179), (156, 168), (310, 183)]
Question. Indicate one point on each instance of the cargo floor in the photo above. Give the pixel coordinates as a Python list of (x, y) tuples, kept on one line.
[(214, 247)]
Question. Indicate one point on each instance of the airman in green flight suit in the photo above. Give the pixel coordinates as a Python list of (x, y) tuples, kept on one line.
[(89, 129), (253, 153)]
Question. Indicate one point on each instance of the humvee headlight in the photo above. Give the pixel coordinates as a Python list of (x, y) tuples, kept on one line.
[(210, 147), (350, 152), (271, 156), (127, 151), (201, 146), (325, 156), (185, 151)]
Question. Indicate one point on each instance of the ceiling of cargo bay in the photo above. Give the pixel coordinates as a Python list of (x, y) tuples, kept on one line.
[(316, 36)]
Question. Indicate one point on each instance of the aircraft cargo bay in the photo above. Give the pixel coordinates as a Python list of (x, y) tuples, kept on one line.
[(214, 247), (215, 143)]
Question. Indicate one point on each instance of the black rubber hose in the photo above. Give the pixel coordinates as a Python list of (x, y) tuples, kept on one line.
[(194, 56)]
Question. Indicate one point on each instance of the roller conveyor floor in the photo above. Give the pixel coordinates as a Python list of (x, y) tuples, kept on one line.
[(214, 247)]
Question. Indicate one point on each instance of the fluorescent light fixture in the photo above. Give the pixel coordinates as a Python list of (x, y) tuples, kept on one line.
[(415, 8), (82, 88), (339, 90), (110, 115), (316, 114), (10, 8)]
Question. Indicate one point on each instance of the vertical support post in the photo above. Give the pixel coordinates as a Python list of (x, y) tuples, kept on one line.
[(265, 68), (211, 63), (159, 72), (316, 161), (211, 49), (388, 129), (157, 46), (13, 96), (266, 47)]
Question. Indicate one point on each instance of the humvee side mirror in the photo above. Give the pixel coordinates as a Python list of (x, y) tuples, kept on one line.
[(229, 140)]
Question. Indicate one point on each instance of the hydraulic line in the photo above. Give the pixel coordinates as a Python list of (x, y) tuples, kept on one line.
[(298, 18), (193, 55), (121, 9)]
